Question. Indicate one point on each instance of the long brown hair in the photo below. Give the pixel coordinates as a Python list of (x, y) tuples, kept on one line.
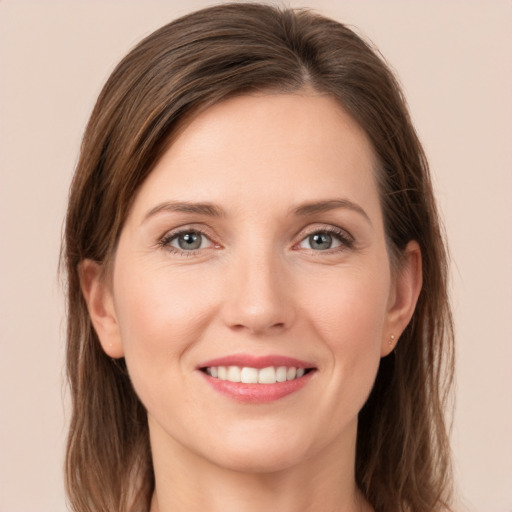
[(402, 461)]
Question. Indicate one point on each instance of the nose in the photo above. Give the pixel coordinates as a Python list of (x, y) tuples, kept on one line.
[(259, 298)]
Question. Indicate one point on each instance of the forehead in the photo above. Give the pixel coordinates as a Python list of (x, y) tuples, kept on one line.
[(267, 148)]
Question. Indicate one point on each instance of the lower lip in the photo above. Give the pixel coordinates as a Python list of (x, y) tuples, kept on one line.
[(257, 393)]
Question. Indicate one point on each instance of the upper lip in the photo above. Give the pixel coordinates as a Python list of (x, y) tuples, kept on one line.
[(250, 361)]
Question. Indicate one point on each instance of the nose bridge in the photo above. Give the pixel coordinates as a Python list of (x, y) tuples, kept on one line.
[(259, 299)]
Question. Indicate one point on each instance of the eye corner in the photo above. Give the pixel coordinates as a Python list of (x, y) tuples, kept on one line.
[(195, 240), (334, 239)]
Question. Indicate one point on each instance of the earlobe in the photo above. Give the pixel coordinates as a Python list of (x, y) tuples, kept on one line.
[(100, 304), (404, 295)]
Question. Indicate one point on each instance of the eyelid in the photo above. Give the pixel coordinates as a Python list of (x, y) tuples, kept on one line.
[(346, 238), (169, 235)]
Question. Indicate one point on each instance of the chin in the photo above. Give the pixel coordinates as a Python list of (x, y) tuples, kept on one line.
[(261, 452), (260, 461)]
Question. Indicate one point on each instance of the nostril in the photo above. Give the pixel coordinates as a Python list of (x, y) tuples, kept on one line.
[(257, 328)]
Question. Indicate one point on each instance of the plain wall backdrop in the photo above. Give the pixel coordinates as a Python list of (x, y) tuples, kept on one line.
[(454, 59)]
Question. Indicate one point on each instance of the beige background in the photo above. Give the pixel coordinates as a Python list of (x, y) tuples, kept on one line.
[(454, 60)]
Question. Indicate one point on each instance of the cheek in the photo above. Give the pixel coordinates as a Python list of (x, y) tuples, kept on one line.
[(351, 308), (159, 319), (158, 307), (349, 316)]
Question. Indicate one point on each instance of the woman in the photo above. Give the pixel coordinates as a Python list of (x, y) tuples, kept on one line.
[(258, 315)]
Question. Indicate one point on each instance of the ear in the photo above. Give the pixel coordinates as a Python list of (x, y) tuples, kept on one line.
[(404, 293), (100, 304)]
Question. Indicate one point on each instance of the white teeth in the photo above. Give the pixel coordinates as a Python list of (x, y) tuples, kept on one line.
[(233, 374), (247, 375), (281, 374), (267, 375)]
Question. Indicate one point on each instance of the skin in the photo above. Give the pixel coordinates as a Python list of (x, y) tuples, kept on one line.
[(257, 286)]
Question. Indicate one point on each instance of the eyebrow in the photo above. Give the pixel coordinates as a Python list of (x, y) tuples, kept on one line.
[(207, 209), (327, 205), (211, 210)]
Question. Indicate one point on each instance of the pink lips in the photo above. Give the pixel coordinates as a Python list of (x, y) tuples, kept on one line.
[(256, 393), (256, 361)]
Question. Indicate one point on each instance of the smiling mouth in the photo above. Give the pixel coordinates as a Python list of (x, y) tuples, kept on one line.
[(249, 375)]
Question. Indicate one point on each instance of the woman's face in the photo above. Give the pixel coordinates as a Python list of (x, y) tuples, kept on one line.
[(255, 250)]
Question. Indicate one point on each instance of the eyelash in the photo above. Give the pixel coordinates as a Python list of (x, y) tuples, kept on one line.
[(166, 240), (346, 240)]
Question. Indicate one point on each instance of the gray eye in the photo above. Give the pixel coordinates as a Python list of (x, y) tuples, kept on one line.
[(188, 241), (320, 241)]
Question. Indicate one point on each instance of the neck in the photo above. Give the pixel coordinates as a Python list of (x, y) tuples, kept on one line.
[(185, 481)]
